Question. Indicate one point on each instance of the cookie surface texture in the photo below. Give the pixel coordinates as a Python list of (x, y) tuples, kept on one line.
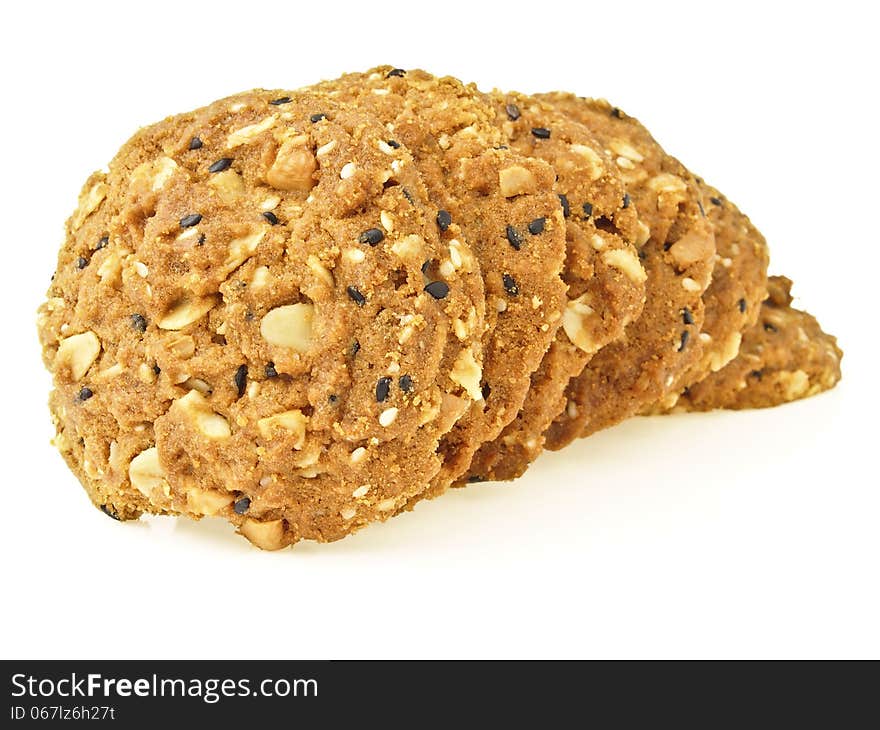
[(784, 356), (240, 324), (603, 273), (504, 205), (638, 370)]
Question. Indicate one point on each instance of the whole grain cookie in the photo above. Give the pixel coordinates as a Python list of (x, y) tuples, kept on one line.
[(503, 204), (637, 370), (242, 324), (784, 356), (733, 298), (605, 279)]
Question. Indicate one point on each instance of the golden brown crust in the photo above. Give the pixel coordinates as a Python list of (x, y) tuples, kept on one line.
[(636, 371), (605, 279), (234, 310), (497, 196), (784, 356)]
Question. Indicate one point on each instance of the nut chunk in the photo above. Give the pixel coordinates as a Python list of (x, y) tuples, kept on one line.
[(289, 326), (146, 475), (293, 168), (196, 409), (265, 535), (78, 352), (290, 423)]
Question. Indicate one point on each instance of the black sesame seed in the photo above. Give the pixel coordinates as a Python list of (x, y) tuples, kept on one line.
[(332, 398), (537, 226), (769, 327), (156, 368), (742, 305), (241, 505), (139, 322), (541, 132), (393, 144), (757, 374), (626, 201), (188, 221), (408, 196), (81, 263), (685, 336), (588, 209), (222, 164), (486, 391), (355, 348), (317, 117), (270, 370), (85, 394), (475, 479), (271, 217), (687, 316), (444, 220), (109, 512), (240, 379), (373, 236), (405, 383), (510, 285), (201, 240), (102, 242), (195, 143), (279, 102), (383, 388), (566, 206), (514, 238), (395, 72), (715, 201), (616, 113), (702, 209), (356, 296), (437, 289), (512, 112), (426, 266)]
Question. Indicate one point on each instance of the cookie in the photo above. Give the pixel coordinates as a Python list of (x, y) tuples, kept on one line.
[(785, 356), (605, 279), (733, 299), (504, 205), (636, 371), (241, 323)]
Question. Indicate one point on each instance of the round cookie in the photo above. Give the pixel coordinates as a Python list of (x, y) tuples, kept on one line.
[(504, 205), (784, 356), (240, 324), (733, 299), (628, 375), (605, 279)]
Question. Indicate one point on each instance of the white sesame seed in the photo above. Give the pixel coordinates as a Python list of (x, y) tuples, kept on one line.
[(347, 170), (447, 269), (347, 513), (358, 455), (385, 147), (355, 255), (360, 491), (705, 337), (141, 268), (689, 284), (501, 305), (270, 203), (387, 221), (388, 416), (325, 149)]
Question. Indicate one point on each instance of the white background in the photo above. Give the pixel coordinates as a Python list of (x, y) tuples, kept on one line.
[(722, 535)]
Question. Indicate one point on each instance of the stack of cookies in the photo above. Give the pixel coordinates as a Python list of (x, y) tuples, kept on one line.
[(305, 311)]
